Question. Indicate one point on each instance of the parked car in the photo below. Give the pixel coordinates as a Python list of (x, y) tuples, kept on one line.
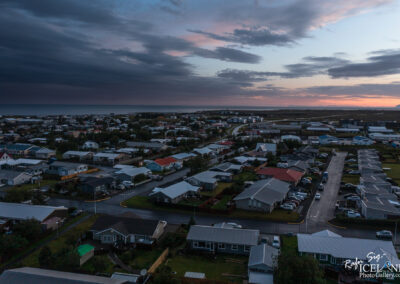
[(321, 187), (287, 206), (353, 214), (353, 172), (127, 184), (156, 177), (384, 234), (235, 225), (354, 198), (276, 243), (317, 196), (350, 186), (120, 187)]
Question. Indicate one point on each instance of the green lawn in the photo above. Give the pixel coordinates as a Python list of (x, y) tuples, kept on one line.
[(55, 245), (213, 268), (289, 244), (88, 267), (221, 205), (354, 179), (220, 188), (394, 171), (245, 176), (276, 215), (141, 258), (191, 202)]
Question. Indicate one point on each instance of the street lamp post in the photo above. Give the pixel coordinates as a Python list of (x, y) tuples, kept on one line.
[(94, 198)]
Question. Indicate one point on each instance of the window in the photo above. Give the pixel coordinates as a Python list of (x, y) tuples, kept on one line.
[(234, 247), (323, 257), (221, 246), (246, 248), (195, 244)]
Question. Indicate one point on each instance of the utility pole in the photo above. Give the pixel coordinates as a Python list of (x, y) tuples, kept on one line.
[(395, 233), (94, 198)]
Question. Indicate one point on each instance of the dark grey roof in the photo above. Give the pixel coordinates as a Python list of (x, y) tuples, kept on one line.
[(263, 254), (19, 211), (267, 191), (29, 275), (223, 235), (125, 225)]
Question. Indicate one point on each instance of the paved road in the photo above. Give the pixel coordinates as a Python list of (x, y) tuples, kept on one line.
[(320, 212), (323, 210), (235, 131)]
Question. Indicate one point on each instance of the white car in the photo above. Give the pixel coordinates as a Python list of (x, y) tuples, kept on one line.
[(127, 184), (353, 214), (235, 225), (384, 234), (287, 206), (317, 196), (276, 243)]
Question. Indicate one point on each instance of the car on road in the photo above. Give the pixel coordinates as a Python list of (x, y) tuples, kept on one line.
[(353, 214), (321, 187), (384, 234), (317, 196), (287, 206), (276, 242)]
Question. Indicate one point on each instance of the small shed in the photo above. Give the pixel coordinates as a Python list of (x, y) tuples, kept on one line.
[(85, 252)]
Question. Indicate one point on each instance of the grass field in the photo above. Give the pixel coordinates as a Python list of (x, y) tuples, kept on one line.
[(213, 268), (49, 182), (142, 258), (221, 205), (88, 267), (354, 179), (289, 244), (394, 171)]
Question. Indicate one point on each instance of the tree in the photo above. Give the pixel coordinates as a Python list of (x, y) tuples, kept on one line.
[(197, 164), (139, 178), (28, 229), (46, 258), (295, 269), (67, 259), (11, 244), (163, 276), (99, 264)]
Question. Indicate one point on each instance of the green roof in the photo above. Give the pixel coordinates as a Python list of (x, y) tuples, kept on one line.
[(84, 249)]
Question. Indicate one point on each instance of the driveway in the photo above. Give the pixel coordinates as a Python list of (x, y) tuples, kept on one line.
[(323, 210)]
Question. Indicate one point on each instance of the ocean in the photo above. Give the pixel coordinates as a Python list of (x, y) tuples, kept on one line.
[(47, 109)]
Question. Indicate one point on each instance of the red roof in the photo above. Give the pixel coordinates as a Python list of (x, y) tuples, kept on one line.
[(281, 174), (165, 161), (2, 154), (226, 143)]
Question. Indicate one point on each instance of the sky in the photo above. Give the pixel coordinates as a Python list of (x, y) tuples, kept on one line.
[(201, 52)]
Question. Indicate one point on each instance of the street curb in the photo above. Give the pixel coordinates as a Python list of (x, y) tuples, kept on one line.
[(298, 223), (339, 227), (98, 200)]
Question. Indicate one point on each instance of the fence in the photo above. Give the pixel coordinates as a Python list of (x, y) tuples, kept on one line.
[(159, 261)]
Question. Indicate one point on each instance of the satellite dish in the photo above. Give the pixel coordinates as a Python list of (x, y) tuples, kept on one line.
[(143, 272)]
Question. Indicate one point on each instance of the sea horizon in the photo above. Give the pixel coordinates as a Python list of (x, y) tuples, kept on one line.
[(93, 109)]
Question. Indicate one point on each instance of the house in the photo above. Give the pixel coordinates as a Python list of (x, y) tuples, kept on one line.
[(287, 175), (248, 160), (298, 165), (159, 165), (78, 155), (290, 138), (266, 148), (93, 185), (129, 173), (263, 195), (218, 148), (4, 156), (181, 157), (42, 153), (25, 275), (223, 240), (379, 129), (227, 167), (66, 169), (154, 146), (21, 211), (208, 180), (108, 158), (10, 177), (174, 193), (263, 260), (18, 149), (328, 139), (203, 151), (332, 249), (117, 230), (384, 137), (90, 145), (361, 140)]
